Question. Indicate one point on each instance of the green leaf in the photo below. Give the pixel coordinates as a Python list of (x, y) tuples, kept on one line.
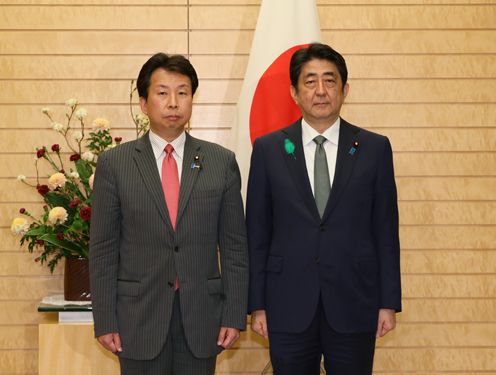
[(72, 247), (36, 231), (84, 169), (54, 200), (77, 225)]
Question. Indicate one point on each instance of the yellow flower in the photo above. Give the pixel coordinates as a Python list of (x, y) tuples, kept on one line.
[(19, 226), (100, 124), (57, 215), (56, 180)]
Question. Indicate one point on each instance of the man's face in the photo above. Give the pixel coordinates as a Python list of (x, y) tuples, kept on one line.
[(320, 92), (169, 103)]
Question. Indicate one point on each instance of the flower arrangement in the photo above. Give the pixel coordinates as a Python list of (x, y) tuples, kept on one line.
[(63, 228)]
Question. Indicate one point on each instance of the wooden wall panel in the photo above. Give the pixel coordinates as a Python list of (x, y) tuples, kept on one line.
[(19, 361), (448, 261), (422, 72), (98, 17), (380, 115), (447, 237), (233, 66), (448, 310), (446, 188), (19, 337), (364, 41), (83, 42), (227, 91)]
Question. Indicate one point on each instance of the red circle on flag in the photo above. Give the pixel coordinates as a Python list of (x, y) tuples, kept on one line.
[(272, 107)]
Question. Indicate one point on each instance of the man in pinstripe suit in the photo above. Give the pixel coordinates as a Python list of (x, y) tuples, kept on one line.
[(169, 291)]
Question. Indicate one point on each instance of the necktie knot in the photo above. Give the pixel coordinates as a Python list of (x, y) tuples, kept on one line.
[(168, 149), (320, 139)]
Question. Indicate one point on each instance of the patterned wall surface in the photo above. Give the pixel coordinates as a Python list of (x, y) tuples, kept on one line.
[(422, 72)]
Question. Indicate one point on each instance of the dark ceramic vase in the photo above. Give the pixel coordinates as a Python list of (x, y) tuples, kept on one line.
[(77, 280)]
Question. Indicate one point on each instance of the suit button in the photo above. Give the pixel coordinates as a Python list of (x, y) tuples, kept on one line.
[(171, 284), (322, 227), (176, 249), (317, 260)]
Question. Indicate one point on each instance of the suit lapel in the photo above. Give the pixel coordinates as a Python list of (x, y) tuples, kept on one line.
[(192, 161), (345, 162), (147, 166), (297, 166)]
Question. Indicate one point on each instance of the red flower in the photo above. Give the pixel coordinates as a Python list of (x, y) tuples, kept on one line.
[(22, 210), (118, 139), (75, 157), (41, 152), (74, 203), (60, 236), (85, 213), (42, 189), (62, 171), (40, 242), (55, 148)]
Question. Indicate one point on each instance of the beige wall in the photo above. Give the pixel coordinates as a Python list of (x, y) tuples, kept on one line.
[(422, 72)]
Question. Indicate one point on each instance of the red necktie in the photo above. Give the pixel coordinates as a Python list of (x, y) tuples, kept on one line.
[(170, 184)]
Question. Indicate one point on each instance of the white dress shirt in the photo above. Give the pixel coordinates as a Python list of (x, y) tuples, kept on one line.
[(158, 146), (330, 145)]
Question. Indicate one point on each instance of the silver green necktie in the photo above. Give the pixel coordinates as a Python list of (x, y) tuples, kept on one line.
[(322, 183)]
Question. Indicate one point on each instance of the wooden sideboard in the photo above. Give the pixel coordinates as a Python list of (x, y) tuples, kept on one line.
[(70, 348)]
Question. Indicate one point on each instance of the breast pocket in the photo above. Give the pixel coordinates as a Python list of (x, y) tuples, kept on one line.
[(205, 193)]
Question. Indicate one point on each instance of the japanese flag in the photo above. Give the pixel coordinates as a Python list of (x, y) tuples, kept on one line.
[(265, 103)]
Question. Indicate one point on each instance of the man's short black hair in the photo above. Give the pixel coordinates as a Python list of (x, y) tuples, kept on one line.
[(316, 51), (171, 63)]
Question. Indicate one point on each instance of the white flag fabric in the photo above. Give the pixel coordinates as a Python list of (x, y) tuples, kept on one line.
[(265, 103)]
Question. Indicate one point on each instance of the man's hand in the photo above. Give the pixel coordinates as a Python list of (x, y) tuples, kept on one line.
[(227, 337), (111, 342), (259, 323), (386, 321)]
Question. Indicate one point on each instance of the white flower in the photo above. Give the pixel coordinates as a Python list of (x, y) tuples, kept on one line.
[(112, 145), (88, 156), (74, 175), (19, 226), (77, 135), (71, 102), (56, 180), (100, 124), (91, 180), (81, 113), (21, 178), (45, 110), (142, 120), (58, 127), (57, 215)]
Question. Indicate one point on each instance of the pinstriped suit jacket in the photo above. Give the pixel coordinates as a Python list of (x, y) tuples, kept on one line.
[(135, 254)]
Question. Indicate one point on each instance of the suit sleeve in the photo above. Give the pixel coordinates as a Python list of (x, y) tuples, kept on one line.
[(233, 250), (259, 224), (386, 230), (104, 249)]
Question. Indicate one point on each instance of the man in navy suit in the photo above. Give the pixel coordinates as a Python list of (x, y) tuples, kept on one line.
[(322, 222)]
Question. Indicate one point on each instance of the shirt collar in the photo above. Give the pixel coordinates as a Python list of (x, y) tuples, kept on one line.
[(158, 144), (308, 133)]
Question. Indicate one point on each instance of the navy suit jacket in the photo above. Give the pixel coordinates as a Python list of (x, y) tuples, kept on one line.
[(350, 258)]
